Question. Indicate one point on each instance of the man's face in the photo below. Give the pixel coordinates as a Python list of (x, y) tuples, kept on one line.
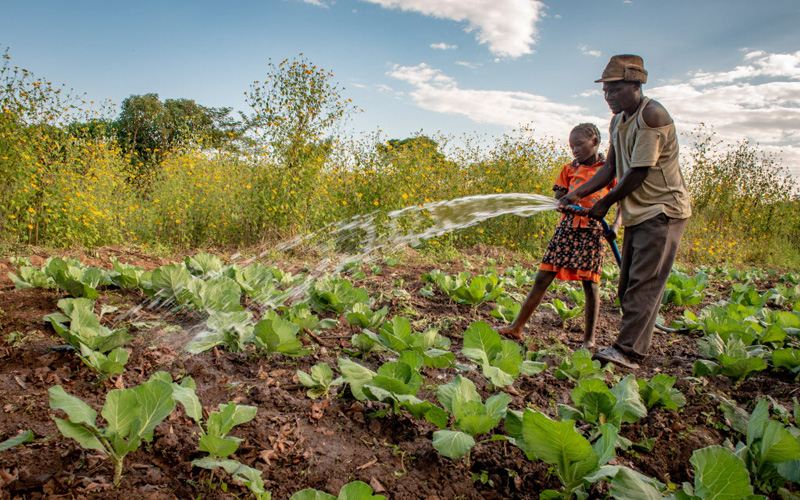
[(620, 95)]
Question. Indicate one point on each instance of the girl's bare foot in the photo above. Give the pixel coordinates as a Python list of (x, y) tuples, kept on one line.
[(510, 332)]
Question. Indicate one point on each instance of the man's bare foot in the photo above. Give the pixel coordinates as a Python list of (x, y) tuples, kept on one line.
[(510, 332), (588, 345)]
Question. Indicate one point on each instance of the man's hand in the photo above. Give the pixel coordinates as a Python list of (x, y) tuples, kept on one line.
[(598, 210), (611, 235)]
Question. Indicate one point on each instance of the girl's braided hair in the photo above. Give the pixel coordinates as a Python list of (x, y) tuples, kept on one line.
[(590, 129)]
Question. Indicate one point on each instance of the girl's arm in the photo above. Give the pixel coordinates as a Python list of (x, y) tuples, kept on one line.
[(601, 179)]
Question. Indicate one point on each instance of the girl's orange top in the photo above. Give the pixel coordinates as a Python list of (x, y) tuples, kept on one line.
[(573, 175)]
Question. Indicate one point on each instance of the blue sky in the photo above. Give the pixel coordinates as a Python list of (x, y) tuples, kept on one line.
[(451, 66)]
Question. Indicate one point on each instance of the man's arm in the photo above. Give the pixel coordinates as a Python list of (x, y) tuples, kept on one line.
[(601, 179), (629, 182), (654, 115)]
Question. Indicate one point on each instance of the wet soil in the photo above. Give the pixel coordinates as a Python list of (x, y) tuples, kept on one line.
[(300, 442)]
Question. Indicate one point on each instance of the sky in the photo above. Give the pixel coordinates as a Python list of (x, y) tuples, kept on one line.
[(456, 67)]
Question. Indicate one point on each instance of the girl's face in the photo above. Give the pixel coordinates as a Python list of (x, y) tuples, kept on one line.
[(582, 146)]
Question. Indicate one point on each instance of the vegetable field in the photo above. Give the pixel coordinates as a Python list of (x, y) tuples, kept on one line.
[(126, 375)]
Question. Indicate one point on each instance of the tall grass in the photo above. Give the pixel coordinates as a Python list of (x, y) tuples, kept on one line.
[(64, 187)]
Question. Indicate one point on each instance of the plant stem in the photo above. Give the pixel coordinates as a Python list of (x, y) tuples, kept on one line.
[(117, 472)]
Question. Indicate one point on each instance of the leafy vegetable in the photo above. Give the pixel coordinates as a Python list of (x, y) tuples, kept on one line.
[(22, 437), (788, 359), (233, 330), (356, 376), (478, 290), (130, 415), (30, 277), (396, 383), (300, 314), (248, 476), (564, 312), (446, 283), (659, 391), (684, 290), (362, 316), (597, 404), (218, 294), (125, 275), (169, 284), (399, 337), (213, 437), (261, 283), (560, 445), (320, 381), (273, 334), (500, 360), (204, 264), (580, 366), (507, 309), (471, 416), (98, 347), (735, 359), (748, 295), (771, 451), (335, 294), (356, 490), (520, 276), (75, 278)]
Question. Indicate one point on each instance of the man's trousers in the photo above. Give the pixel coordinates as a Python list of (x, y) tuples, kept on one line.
[(648, 253)]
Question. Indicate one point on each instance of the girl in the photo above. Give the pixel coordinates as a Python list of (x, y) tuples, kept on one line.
[(575, 252)]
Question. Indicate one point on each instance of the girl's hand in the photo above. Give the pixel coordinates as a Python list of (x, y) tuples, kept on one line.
[(568, 199)]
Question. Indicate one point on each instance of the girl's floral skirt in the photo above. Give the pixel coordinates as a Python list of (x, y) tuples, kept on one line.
[(575, 254)]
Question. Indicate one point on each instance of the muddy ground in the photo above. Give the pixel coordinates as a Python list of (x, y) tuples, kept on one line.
[(298, 442)]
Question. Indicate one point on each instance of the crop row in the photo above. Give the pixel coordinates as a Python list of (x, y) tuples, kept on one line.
[(740, 334)]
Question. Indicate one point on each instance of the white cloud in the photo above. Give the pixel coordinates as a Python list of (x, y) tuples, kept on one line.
[(585, 51), (508, 27), (318, 3), (468, 64), (590, 93), (761, 105), (435, 91), (443, 46), (762, 65), (759, 101)]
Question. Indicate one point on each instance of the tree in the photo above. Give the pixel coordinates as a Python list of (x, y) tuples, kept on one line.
[(294, 107), (147, 129), (420, 145)]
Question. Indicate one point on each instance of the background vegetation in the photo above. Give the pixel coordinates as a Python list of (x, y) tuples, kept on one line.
[(178, 174)]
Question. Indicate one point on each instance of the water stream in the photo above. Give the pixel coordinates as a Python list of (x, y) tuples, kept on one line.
[(365, 238)]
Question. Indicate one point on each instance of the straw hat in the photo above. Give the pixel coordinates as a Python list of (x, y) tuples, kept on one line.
[(627, 67)]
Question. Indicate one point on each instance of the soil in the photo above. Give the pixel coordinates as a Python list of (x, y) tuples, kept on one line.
[(300, 442)]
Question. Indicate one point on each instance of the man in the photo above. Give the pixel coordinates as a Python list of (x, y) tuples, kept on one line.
[(654, 201)]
